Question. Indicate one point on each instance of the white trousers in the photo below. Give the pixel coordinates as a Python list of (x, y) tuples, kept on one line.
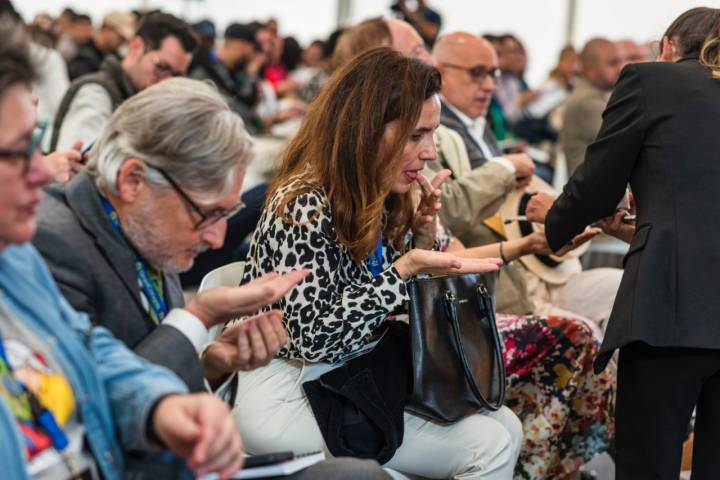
[(273, 414)]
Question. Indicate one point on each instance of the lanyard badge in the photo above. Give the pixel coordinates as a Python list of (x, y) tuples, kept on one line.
[(158, 307), (375, 259)]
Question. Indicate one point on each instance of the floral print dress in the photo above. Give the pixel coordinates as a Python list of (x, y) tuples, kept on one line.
[(566, 409)]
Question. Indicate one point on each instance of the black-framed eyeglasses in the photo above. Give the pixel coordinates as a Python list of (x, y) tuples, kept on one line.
[(206, 218), (477, 73), (33, 146)]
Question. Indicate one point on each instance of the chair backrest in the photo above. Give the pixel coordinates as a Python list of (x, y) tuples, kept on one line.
[(226, 276)]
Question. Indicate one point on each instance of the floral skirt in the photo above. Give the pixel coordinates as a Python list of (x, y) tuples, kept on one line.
[(565, 408)]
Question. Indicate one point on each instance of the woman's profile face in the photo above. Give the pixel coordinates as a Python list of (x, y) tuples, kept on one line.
[(420, 147)]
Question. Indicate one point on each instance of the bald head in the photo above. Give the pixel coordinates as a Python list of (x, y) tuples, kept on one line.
[(630, 51), (467, 63), (407, 41), (459, 46), (601, 63)]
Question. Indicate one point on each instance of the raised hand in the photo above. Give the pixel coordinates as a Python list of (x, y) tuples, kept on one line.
[(424, 227), (245, 345), (220, 304), (440, 263)]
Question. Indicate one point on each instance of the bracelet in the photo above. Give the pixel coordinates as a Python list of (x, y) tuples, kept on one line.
[(502, 254)]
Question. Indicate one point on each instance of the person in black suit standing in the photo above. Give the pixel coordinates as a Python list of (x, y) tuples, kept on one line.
[(659, 134)]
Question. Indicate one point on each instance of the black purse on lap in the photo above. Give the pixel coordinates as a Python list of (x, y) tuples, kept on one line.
[(456, 351)]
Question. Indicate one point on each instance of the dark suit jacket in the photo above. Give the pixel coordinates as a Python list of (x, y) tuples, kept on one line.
[(659, 133), (475, 153), (94, 268)]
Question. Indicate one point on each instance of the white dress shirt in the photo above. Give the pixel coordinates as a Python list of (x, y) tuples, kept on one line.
[(476, 128)]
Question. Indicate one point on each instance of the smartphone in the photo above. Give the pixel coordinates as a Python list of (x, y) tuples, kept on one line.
[(268, 459)]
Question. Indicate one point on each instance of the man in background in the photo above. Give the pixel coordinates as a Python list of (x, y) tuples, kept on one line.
[(117, 29), (161, 48), (601, 63)]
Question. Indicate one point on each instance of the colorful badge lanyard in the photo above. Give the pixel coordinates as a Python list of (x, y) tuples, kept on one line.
[(155, 299), (375, 259), (43, 416)]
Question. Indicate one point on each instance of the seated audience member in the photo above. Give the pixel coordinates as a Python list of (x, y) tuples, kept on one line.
[(311, 89), (149, 201), (465, 99), (72, 396), (510, 116), (239, 51), (117, 29), (424, 19), (547, 359), (630, 51), (161, 48), (600, 67), (341, 206)]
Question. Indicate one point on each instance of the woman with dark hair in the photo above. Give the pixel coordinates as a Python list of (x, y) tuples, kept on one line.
[(341, 206), (659, 133)]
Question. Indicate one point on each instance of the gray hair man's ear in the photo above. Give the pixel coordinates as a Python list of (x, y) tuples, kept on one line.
[(130, 180)]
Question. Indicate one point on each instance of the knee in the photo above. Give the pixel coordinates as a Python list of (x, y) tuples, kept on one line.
[(514, 428)]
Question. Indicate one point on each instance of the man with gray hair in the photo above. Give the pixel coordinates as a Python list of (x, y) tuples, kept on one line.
[(162, 180)]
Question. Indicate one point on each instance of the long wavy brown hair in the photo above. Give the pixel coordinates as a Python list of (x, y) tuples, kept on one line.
[(338, 149)]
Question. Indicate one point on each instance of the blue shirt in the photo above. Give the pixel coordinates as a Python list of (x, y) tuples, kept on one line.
[(115, 389)]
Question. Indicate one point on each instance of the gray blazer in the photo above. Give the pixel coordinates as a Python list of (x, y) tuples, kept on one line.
[(94, 268)]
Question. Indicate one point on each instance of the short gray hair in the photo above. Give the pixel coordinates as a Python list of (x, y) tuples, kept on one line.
[(181, 126)]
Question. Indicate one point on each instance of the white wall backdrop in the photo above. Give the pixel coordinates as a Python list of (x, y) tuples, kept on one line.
[(539, 23)]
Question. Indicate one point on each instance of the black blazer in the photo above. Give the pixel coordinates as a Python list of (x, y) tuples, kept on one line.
[(660, 134), (95, 270)]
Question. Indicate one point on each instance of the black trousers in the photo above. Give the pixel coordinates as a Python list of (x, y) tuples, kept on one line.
[(658, 387)]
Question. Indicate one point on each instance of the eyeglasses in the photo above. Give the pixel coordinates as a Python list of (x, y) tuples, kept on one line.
[(164, 70), (206, 219), (477, 73), (33, 146)]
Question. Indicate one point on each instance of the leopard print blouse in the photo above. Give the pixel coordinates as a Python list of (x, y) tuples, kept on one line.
[(337, 307)]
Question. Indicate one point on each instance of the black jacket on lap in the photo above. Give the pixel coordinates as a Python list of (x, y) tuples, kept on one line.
[(359, 406)]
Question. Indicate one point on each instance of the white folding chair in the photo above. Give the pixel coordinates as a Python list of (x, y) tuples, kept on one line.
[(226, 276)]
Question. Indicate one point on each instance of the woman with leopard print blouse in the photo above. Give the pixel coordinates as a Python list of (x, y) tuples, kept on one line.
[(341, 207)]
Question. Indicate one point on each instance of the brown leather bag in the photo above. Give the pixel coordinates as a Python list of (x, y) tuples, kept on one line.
[(457, 358)]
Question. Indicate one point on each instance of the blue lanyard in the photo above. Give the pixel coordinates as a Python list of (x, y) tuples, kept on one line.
[(43, 416), (155, 299), (375, 259)]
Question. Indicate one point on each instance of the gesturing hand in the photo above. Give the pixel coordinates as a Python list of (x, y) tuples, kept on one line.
[(441, 263), (538, 206), (221, 304), (246, 345), (200, 429), (424, 226)]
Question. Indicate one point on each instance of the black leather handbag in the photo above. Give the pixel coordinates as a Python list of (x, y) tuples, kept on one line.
[(456, 351)]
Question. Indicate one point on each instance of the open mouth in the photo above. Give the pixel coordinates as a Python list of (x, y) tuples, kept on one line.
[(411, 175)]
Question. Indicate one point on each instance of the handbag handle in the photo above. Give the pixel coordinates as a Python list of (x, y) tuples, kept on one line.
[(450, 301)]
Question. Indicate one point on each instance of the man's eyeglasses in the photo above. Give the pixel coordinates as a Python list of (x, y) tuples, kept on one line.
[(33, 146), (206, 218), (477, 73), (164, 70)]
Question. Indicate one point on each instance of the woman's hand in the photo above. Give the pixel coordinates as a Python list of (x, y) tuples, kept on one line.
[(424, 227), (440, 263), (536, 243), (617, 227)]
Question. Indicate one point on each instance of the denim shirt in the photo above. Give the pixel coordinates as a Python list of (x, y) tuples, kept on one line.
[(114, 388)]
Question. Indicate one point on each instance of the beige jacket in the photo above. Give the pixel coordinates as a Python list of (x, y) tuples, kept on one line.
[(581, 121), (469, 197)]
